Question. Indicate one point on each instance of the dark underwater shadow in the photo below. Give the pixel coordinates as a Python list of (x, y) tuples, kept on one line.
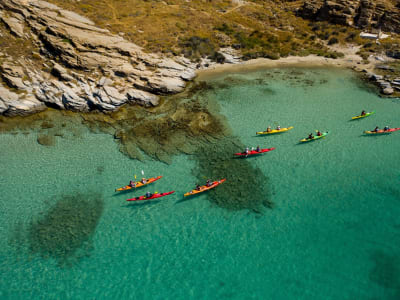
[(65, 231)]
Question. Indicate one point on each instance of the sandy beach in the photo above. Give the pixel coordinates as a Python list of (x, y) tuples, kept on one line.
[(350, 60)]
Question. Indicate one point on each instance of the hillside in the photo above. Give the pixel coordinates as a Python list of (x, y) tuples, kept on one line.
[(98, 55)]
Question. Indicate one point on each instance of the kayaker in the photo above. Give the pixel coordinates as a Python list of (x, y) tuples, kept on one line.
[(258, 149), (269, 129), (386, 128), (132, 183), (278, 128), (319, 133), (209, 182), (148, 194), (310, 136), (198, 187), (144, 180), (363, 113), (376, 129)]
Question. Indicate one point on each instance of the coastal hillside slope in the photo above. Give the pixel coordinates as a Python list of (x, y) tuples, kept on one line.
[(98, 55)]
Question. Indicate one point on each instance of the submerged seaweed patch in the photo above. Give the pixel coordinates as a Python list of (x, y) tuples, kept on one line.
[(46, 140), (65, 231), (386, 271), (245, 184)]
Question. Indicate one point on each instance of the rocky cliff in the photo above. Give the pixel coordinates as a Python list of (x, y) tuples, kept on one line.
[(365, 14), (77, 66)]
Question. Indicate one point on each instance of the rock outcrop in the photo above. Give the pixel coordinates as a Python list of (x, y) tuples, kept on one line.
[(83, 67), (383, 14)]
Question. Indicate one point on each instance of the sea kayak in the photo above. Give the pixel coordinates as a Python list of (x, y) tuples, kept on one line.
[(315, 138), (138, 184), (253, 152), (274, 131), (205, 188), (366, 115), (154, 196), (382, 131)]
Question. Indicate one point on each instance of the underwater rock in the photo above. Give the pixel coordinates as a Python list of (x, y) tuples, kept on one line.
[(46, 140)]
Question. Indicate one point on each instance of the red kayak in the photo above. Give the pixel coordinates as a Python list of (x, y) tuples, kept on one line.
[(382, 131), (255, 152), (154, 196)]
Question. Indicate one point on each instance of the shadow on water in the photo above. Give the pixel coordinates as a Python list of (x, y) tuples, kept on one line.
[(188, 198), (119, 193), (137, 204), (65, 231)]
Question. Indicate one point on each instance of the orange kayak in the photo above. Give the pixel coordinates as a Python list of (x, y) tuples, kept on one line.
[(138, 184), (205, 188)]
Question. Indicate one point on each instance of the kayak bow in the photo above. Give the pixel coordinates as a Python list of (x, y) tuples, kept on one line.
[(205, 188), (360, 116), (274, 131), (253, 152), (154, 196), (315, 138), (390, 130), (138, 184)]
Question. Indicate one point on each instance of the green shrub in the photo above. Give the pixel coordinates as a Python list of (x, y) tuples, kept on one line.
[(333, 41)]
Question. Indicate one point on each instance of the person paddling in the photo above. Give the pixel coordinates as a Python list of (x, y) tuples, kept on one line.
[(278, 128), (363, 113), (310, 136), (269, 129), (319, 133), (132, 183), (376, 129), (198, 187), (386, 128), (148, 194), (209, 182), (258, 149)]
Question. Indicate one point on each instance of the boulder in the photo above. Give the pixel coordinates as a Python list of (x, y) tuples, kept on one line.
[(15, 25), (388, 91), (142, 97)]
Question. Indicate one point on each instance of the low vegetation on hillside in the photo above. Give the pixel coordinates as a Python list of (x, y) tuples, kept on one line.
[(198, 28)]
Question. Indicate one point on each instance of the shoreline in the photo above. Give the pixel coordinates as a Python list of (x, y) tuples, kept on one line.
[(350, 60)]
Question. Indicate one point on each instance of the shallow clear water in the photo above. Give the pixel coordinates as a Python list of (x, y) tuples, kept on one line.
[(334, 231)]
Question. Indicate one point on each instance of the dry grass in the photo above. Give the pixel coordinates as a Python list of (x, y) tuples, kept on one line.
[(259, 28)]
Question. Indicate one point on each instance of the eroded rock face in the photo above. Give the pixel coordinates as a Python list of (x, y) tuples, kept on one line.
[(77, 56), (382, 14)]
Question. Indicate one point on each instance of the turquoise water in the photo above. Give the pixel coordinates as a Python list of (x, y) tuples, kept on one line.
[(333, 233)]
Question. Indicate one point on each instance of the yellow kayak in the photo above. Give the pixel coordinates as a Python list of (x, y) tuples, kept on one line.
[(205, 188), (360, 116), (138, 184), (275, 130)]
